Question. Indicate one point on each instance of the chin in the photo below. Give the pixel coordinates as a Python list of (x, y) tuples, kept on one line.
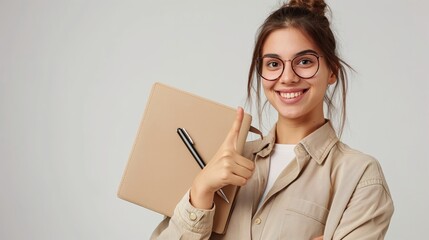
[(290, 114)]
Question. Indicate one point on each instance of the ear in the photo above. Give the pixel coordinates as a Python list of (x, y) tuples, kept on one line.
[(332, 78)]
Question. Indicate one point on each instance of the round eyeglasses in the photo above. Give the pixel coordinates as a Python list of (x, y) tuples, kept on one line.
[(272, 67)]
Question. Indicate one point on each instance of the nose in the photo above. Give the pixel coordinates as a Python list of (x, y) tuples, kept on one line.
[(288, 75)]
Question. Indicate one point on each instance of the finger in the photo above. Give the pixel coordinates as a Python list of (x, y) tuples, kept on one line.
[(232, 136), (242, 172), (236, 180), (244, 162)]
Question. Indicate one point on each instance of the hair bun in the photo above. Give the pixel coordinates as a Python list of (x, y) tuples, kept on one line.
[(315, 6)]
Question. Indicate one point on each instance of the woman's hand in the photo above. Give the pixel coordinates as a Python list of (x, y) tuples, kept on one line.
[(225, 168)]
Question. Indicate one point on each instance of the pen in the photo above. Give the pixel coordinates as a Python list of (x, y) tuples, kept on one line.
[(187, 140)]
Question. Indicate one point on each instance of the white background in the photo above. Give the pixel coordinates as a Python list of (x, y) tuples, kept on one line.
[(75, 75)]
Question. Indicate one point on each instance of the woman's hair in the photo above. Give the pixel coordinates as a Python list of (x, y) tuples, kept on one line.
[(309, 17)]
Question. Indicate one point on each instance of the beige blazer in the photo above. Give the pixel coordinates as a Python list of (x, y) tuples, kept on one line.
[(329, 189)]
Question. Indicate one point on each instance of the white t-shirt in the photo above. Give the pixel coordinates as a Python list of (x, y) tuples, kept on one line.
[(281, 156)]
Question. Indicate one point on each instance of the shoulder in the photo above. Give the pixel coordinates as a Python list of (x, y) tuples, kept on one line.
[(343, 155), (345, 160)]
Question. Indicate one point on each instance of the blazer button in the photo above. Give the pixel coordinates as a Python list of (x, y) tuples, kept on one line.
[(258, 221)]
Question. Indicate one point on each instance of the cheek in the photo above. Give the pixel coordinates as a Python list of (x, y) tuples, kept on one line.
[(325, 77), (321, 81), (267, 85), (319, 86)]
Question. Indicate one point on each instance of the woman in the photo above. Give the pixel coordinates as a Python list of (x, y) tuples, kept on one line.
[(300, 181)]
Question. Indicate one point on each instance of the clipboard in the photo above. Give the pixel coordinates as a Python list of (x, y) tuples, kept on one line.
[(160, 169)]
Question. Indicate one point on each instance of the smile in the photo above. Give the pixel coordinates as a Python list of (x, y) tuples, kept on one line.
[(291, 95)]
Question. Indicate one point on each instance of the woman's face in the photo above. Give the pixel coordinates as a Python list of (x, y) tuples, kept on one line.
[(295, 98)]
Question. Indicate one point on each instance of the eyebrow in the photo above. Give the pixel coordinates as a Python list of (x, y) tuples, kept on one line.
[(307, 51)]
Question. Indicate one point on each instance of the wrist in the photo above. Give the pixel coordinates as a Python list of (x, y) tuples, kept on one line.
[(200, 198)]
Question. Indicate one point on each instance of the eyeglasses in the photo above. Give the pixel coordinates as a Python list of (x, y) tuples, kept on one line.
[(304, 66)]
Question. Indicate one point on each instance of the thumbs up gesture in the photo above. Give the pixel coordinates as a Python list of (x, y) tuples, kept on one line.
[(226, 167)]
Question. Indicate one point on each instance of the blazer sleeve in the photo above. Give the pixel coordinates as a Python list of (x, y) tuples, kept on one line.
[(368, 213), (187, 222)]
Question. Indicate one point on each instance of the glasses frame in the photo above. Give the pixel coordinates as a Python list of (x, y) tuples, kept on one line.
[(259, 71)]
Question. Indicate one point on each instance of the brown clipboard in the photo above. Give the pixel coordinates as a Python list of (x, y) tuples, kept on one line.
[(160, 168)]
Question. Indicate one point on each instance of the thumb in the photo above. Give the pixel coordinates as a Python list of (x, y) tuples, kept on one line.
[(232, 136)]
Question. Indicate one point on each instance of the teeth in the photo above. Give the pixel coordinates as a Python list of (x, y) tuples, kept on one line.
[(290, 95)]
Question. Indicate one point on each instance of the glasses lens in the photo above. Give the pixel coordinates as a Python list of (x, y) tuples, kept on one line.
[(270, 68), (305, 66)]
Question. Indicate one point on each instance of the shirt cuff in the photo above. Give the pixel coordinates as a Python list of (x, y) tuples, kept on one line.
[(194, 219)]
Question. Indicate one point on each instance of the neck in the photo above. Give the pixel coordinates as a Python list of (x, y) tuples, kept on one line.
[(291, 131)]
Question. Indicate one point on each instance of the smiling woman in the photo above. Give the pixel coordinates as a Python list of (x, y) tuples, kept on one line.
[(317, 32), (308, 184), (297, 99)]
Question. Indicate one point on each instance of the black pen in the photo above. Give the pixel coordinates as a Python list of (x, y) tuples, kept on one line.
[(187, 140)]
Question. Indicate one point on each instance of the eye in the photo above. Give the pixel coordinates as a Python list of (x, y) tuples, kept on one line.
[(272, 63), (305, 61)]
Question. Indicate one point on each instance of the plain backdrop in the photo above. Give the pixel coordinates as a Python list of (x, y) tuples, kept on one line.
[(75, 77)]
